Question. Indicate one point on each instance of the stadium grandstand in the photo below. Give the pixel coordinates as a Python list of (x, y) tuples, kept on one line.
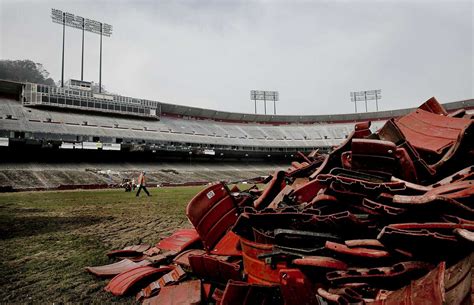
[(75, 118), (54, 137)]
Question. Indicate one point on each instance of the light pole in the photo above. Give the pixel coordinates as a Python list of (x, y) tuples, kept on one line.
[(84, 24), (364, 96), (274, 106), (265, 102), (82, 55), (62, 61), (100, 61), (264, 96)]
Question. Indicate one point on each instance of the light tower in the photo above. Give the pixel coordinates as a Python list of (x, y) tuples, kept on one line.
[(364, 96), (84, 24)]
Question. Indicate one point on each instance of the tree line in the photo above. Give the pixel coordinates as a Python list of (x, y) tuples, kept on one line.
[(25, 71)]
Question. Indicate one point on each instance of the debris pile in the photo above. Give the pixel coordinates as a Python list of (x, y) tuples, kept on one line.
[(385, 218)]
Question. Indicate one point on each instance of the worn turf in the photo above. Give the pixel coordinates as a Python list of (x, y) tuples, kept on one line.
[(47, 238)]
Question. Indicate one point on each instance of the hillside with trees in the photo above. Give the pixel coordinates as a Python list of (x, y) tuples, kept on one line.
[(25, 71)]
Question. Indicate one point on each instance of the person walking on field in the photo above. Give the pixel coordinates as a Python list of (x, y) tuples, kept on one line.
[(142, 184)]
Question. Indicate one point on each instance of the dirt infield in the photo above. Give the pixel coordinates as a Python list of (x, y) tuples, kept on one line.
[(47, 238)]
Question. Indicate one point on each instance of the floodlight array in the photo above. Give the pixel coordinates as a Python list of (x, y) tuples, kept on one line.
[(360, 96), (258, 95), (81, 23)]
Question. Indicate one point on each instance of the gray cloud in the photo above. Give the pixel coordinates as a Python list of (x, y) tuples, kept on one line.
[(211, 53)]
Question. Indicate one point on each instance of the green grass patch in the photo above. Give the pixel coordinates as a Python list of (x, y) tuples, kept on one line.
[(47, 238)]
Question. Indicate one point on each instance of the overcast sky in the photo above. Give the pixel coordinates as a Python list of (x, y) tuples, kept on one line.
[(212, 53)]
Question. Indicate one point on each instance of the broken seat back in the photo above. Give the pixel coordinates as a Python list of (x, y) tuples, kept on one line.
[(212, 212)]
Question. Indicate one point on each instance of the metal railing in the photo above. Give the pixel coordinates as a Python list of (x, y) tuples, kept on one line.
[(34, 95)]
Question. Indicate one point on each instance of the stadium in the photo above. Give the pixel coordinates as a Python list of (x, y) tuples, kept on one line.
[(75, 123), (164, 188)]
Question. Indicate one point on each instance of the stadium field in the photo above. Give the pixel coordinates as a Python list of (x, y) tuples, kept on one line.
[(47, 238)]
